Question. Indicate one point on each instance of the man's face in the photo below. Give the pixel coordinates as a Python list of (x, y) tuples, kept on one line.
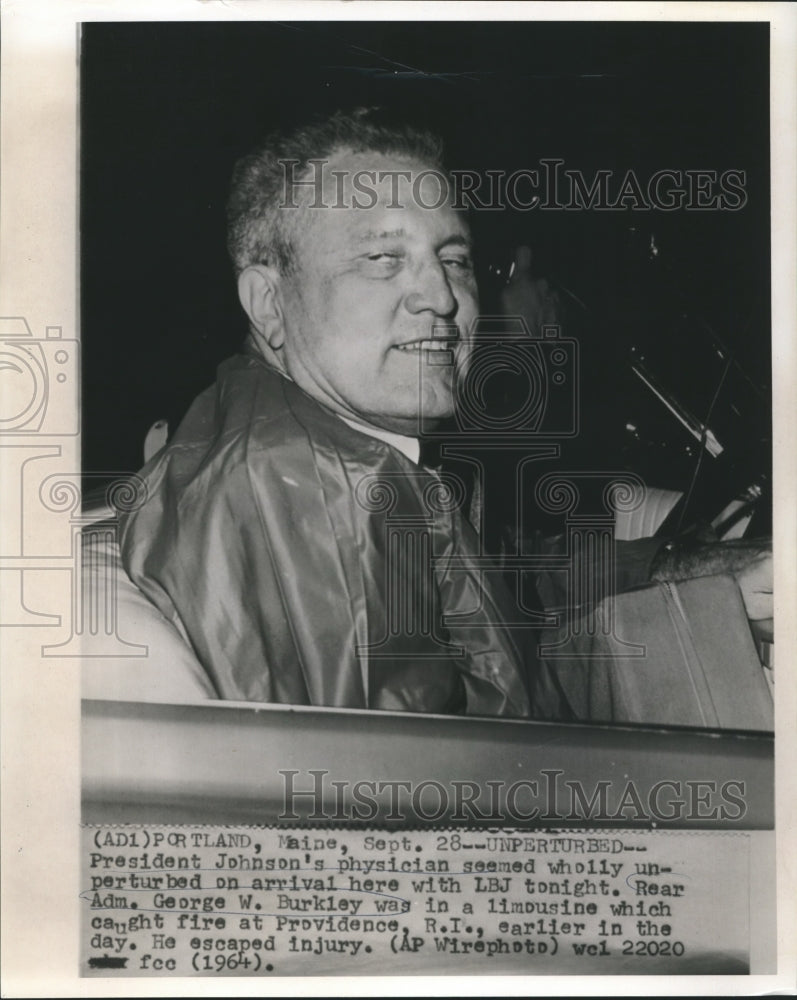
[(369, 286)]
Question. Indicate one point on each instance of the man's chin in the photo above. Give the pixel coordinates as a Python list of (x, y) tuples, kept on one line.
[(406, 426), (414, 417), (414, 424)]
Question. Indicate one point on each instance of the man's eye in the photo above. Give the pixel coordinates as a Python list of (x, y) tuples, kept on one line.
[(382, 257), (458, 263), (381, 264)]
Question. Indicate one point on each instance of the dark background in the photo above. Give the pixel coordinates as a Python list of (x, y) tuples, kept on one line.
[(167, 108)]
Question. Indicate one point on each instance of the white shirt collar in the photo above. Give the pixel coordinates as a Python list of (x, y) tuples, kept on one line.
[(408, 446)]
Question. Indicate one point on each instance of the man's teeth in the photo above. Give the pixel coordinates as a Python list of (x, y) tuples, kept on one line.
[(426, 345)]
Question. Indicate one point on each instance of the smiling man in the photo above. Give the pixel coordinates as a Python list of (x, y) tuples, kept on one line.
[(367, 290), (289, 531)]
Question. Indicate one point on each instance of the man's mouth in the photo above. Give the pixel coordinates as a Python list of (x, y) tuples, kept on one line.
[(436, 344)]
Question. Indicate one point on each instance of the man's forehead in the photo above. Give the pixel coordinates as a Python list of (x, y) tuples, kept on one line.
[(355, 229), (449, 235), (367, 196)]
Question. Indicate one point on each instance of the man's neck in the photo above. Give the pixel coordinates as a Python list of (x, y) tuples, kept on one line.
[(408, 446)]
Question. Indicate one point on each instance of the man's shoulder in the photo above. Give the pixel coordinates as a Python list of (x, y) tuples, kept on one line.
[(238, 440), (247, 394), (247, 407), (256, 423)]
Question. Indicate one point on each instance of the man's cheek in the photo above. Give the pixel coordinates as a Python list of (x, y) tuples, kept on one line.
[(467, 312), (462, 357)]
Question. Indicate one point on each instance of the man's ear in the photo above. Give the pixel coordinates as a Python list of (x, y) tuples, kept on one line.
[(258, 290)]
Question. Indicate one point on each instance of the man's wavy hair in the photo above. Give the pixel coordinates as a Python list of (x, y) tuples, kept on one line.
[(258, 230)]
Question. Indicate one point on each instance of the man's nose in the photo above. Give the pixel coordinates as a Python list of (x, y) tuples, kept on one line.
[(431, 292)]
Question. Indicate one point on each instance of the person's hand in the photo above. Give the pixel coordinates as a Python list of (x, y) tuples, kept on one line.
[(531, 298), (755, 583), (749, 561)]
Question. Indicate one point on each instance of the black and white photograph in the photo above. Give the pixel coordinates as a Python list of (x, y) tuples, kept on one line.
[(407, 488)]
